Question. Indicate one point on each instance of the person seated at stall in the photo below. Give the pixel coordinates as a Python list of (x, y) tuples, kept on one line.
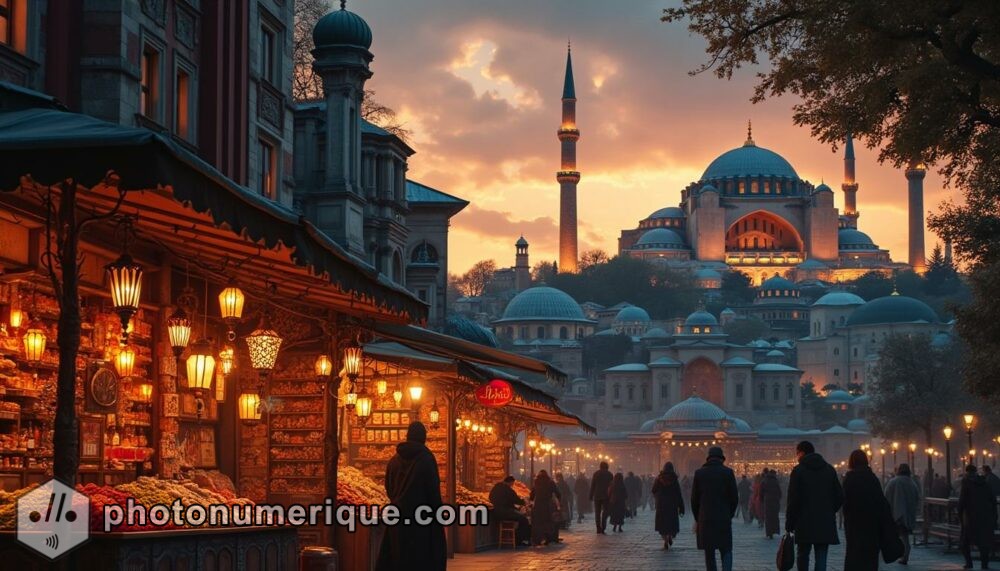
[(505, 501)]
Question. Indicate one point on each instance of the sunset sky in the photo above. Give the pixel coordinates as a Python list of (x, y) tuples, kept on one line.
[(478, 82)]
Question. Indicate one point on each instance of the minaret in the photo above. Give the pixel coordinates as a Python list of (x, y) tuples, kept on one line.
[(850, 185), (915, 173), (522, 269), (568, 176)]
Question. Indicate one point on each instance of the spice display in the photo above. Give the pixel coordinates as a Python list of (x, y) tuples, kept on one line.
[(353, 487), (464, 495)]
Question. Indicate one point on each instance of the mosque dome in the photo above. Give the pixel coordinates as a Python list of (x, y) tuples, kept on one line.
[(851, 239), (342, 28), (521, 242), (776, 283), (839, 298), (707, 274), (693, 413), (660, 238), (863, 400), (858, 425), (822, 188), (738, 425), (668, 212), (839, 397), (543, 303), (775, 353), (892, 309), (812, 265), (749, 160), (700, 317), (464, 328), (632, 314), (655, 333)]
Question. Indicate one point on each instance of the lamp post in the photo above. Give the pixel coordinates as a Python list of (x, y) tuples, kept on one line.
[(970, 423), (930, 470), (913, 450), (882, 452), (578, 470), (947, 456), (532, 444), (895, 449)]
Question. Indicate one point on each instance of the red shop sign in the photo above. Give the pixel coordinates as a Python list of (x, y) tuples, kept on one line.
[(495, 393)]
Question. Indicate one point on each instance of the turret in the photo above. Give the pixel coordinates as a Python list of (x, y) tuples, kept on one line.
[(522, 268), (568, 176), (850, 186)]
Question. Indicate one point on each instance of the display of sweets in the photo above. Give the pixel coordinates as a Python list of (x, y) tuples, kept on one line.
[(353, 487), (522, 490), (464, 495)]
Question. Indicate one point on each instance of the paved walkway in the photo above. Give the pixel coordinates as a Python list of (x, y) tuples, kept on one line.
[(639, 548)]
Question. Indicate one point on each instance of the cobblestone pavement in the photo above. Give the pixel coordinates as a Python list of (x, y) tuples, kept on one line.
[(639, 548)]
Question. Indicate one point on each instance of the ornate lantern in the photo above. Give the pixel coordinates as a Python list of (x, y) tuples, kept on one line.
[(125, 362), (435, 416), (16, 317), (227, 358), (397, 395), (34, 343), (125, 283), (416, 393), (350, 399), (250, 408), (364, 410), (353, 360), (200, 366), (145, 391), (231, 302), (263, 344), (381, 387), (323, 366), (179, 331)]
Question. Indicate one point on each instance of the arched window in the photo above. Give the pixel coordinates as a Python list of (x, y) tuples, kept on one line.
[(524, 332), (775, 392), (665, 391), (708, 329), (836, 350), (617, 391), (842, 320), (631, 393), (509, 332), (855, 351), (763, 392), (791, 391), (855, 375), (541, 332), (563, 333), (645, 393), (696, 329)]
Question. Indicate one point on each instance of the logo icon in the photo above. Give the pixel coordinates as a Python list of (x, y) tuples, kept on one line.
[(53, 519)]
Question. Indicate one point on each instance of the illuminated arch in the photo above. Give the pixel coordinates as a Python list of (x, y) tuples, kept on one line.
[(761, 231), (702, 377)]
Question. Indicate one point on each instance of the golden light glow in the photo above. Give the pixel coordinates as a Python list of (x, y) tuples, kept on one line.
[(381, 387), (970, 420), (249, 406), (263, 344), (895, 446), (125, 362), (220, 387), (125, 283), (145, 391), (364, 408), (947, 432), (350, 400), (227, 358), (397, 395), (435, 416), (231, 302), (34, 344), (16, 317), (200, 366), (179, 331), (323, 366), (353, 359), (532, 443), (913, 447), (416, 392)]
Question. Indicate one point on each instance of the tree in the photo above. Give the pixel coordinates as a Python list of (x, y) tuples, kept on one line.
[(919, 84), (591, 258), (913, 387), (737, 288), (743, 331), (544, 273), (308, 86), (872, 285), (603, 351), (941, 278), (474, 282)]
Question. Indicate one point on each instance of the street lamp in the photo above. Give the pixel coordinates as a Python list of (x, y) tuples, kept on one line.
[(532, 444), (913, 450), (895, 448), (930, 470), (970, 423), (882, 452), (947, 456)]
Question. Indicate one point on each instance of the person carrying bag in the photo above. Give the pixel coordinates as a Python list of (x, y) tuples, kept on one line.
[(786, 553)]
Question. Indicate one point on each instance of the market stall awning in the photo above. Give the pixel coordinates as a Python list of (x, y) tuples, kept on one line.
[(453, 347), (183, 200)]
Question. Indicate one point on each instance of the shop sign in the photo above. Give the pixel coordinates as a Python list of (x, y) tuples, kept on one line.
[(495, 393)]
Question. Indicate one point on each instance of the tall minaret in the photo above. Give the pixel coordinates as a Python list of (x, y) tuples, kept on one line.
[(522, 268), (568, 176), (915, 173), (850, 185)]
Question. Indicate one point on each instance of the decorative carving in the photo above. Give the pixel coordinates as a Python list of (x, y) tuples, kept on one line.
[(156, 10), (270, 106), (185, 27)]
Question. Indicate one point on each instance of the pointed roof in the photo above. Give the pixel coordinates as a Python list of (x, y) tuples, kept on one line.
[(569, 90)]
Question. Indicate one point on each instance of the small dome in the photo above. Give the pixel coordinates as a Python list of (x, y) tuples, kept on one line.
[(463, 328), (727, 311), (812, 265), (655, 333), (749, 160), (668, 212), (777, 283), (738, 425), (660, 238), (839, 397), (892, 309), (858, 425), (839, 298), (776, 354), (851, 239), (709, 188), (543, 303), (648, 426), (822, 188), (693, 413), (342, 28), (632, 314), (862, 400), (700, 317), (521, 242)]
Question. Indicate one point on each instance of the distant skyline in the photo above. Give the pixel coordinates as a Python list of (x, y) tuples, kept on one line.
[(479, 82)]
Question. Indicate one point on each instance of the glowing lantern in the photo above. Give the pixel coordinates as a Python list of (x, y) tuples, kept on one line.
[(125, 283), (227, 358), (263, 344), (231, 307), (416, 392), (324, 366), (125, 362), (381, 387), (200, 366), (179, 331), (220, 387), (353, 359), (435, 415), (16, 317), (397, 395), (34, 343), (249, 407), (350, 400), (145, 391), (364, 409)]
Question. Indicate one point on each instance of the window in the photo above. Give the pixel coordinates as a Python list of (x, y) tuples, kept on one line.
[(183, 105), (422, 294), (855, 351), (665, 391), (631, 393), (763, 392), (836, 350), (645, 393), (743, 190), (524, 332), (855, 375), (563, 333), (6, 22), (149, 83), (775, 392), (708, 329), (696, 329), (617, 392), (791, 391), (268, 169), (739, 391), (540, 332), (836, 372), (268, 54)]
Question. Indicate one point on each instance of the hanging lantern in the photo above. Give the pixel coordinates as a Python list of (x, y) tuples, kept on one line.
[(364, 409), (231, 302), (179, 331), (381, 387), (200, 366), (227, 358), (350, 399), (263, 344), (125, 283), (323, 366), (397, 395), (34, 343), (16, 317), (353, 359), (249, 407), (145, 391), (435, 416), (125, 362), (220, 387), (416, 392)]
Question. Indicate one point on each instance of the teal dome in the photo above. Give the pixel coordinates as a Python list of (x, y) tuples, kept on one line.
[(693, 413), (892, 309), (700, 317), (660, 238), (851, 239), (749, 160), (668, 212), (839, 397), (822, 188), (463, 328), (543, 303), (858, 425), (778, 283), (342, 28), (839, 298), (632, 314)]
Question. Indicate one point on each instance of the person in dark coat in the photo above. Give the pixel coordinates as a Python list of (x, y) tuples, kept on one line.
[(977, 510), (714, 499), (992, 480), (814, 496), (411, 480), (770, 493), (505, 501), (669, 504), (634, 487), (903, 495), (745, 489), (581, 488), (599, 485), (939, 489), (565, 500), (544, 496), (864, 505), (618, 502)]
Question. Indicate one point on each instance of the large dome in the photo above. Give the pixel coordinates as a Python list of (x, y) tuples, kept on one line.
[(693, 413), (668, 212), (851, 239), (342, 28), (660, 238), (701, 317), (632, 314), (892, 309), (839, 298), (543, 303), (749, 160)]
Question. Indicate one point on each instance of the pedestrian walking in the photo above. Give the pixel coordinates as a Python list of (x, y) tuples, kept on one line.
[(666, 490), (814, 496), (864, 505), (992, 480), (756, 499), (634, 487), (566, 500), (618, 502), (977, 510), (745, 489), (545, 496), (599, 484), (411, 481), (581, 489), (903, 495), (714, 499), (770, 492), (647, 492)]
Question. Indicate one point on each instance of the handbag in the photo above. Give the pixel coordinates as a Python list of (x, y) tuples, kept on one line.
[(786, 553)]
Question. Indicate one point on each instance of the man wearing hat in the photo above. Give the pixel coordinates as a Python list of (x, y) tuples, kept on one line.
[(411, 480), (714, 499)]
